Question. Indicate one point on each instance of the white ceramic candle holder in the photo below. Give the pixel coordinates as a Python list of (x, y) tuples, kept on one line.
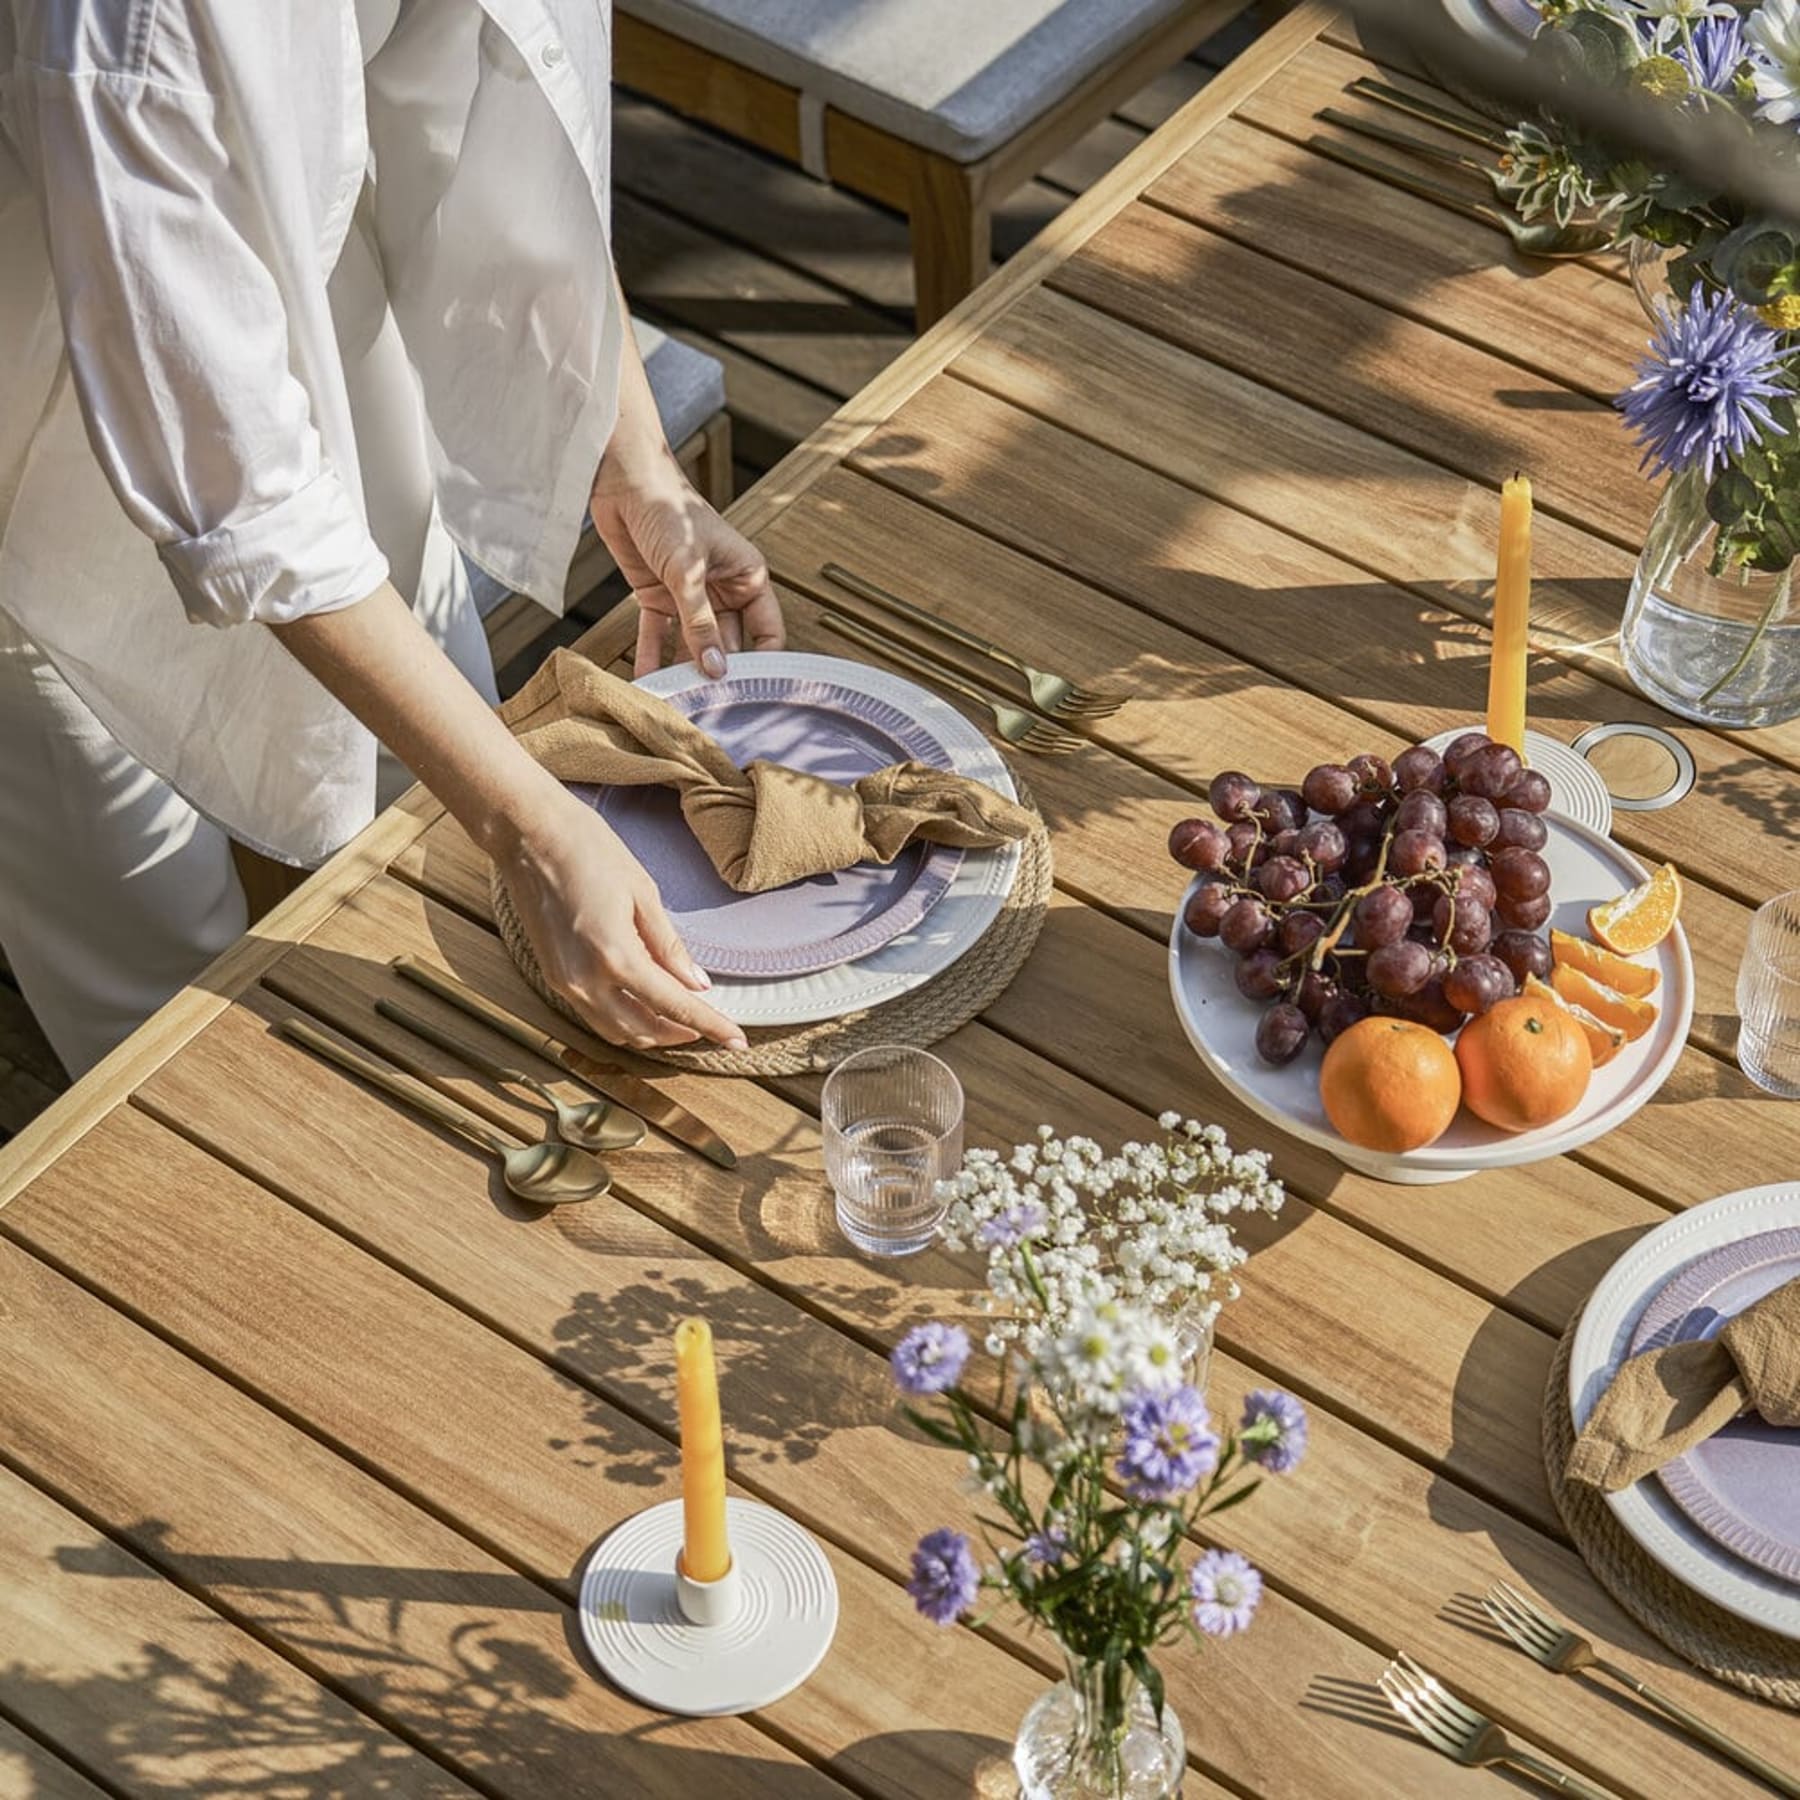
[(706, 1648)]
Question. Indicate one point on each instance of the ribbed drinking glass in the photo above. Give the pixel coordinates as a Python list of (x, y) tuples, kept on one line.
[(893, 1130), (1768, 997)]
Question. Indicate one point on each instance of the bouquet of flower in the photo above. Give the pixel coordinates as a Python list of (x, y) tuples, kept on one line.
[(1714, 400), (1092, 1451), (1107, 1462), (1068, 1229)]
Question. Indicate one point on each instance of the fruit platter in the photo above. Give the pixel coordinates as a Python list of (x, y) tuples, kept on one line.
[(1424, 967)]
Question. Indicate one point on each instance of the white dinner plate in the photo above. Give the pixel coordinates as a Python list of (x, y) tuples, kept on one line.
[(1584, 868), (952, 927), (1603, 1340)]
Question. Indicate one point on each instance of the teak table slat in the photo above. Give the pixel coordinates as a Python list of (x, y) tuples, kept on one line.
[(306, 1427)]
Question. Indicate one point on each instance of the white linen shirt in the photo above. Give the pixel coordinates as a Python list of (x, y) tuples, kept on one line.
[(177, 179)]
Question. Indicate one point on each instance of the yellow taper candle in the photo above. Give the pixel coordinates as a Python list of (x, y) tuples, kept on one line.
[(705, 1555), (1512, 618)]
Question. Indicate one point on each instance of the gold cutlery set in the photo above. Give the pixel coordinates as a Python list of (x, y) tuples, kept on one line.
[(1531, 237), (1032, 728), (1456, 1730), (567, 1166)]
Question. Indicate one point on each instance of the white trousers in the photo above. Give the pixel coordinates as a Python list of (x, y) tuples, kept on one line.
[(114, 891)]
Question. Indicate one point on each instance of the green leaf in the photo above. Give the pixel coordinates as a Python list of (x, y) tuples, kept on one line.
[(1732, 496), (1233, 1499), (1604, 49), (934, 1429), (1752, 258), (1151, 1676)]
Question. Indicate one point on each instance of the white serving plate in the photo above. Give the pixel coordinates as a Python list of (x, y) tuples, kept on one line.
[(1603, 1341), (948, 931), (1584, 868)]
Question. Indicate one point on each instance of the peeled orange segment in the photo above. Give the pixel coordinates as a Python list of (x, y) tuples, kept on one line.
[(1637, 979), (1625, 1012), (1605, 1041), (1642, 918)]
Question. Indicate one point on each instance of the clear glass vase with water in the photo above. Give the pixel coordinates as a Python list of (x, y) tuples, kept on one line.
[(1720, 648)]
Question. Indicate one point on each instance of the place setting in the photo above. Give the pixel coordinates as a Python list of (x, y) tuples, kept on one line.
[(847, 855)]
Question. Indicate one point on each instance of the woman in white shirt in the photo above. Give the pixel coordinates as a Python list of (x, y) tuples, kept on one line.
[(296, 300)]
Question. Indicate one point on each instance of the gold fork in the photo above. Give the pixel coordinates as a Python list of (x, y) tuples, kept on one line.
[(1565, 1652), (1464, 1735), (1021, 729), (1052, 694)]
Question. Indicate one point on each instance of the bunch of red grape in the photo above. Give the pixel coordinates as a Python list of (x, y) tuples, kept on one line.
[(1415, 889)]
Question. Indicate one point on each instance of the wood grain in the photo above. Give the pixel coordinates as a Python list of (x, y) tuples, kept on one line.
[(415, 1624), (155, 1694)]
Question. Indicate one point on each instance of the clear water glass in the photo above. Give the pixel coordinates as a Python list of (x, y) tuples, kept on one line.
[(893, 1130), (1768, 998)]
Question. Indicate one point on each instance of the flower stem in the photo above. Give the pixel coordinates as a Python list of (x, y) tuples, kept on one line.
[(1777, 599)]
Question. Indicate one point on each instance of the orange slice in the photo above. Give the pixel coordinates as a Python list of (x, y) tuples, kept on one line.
[(1605, 1041), (1637, 979), (1642, 918), (1624, 1012)]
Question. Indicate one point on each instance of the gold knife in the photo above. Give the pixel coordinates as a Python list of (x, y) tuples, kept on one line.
[(668, 1116)]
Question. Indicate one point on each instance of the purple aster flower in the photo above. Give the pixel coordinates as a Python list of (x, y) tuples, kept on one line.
[(1046, 1548), (1006, 1230), (930, 1358), (1700, 394), (1167, 1444), (1718, 53), (1274, 1430), (945, 1579), (1226, 1590)]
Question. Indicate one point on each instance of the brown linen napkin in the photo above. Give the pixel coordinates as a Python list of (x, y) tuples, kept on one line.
[(762, 826), (1665, 1401)]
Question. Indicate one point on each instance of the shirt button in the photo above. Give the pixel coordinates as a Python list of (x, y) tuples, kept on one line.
[(551, 55)]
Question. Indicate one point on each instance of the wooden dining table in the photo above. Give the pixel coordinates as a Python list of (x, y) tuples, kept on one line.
[(306, 1428)]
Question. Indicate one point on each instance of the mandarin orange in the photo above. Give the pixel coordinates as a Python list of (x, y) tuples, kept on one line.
[(1524, 1063), (1618, 972), (1604, 1041), (1642, 917), (1624, 1011), (1389, 1084)]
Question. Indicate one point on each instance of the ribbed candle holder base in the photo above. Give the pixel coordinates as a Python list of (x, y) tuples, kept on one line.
[(644, 1642)]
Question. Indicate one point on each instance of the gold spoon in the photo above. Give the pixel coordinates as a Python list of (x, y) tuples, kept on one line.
[(597, 1125), (540, 1174)]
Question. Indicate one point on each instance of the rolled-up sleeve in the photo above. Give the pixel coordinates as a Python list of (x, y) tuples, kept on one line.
[(183, 245)]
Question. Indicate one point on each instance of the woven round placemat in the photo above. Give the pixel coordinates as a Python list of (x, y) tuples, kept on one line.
[(932, 1011), (1758, 1661)]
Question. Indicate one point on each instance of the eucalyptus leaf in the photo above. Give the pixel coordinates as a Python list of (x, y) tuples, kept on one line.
[(1731, 497), (1751, 258), (1607, 48)]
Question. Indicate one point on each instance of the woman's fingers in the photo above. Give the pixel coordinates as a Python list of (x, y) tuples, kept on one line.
[(664, 942), (731, 632), (652, 640), (668, 999)]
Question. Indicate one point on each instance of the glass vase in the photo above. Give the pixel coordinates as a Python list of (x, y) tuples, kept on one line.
[(1193, 1329), (1720, 649), (1648, 266), (1095, 1738)]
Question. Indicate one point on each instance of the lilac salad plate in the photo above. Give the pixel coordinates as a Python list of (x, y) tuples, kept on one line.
[(826, 730), (1742, 1485)]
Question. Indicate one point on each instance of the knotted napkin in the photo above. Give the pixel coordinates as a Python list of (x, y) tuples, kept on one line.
[(1664, 1402), (763, 826)]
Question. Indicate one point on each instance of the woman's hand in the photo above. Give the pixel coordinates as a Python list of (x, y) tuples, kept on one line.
[(602, 938), (688, 567)]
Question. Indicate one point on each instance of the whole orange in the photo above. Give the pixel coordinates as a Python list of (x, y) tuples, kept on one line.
[(1524, 1063), (1389, 1084)]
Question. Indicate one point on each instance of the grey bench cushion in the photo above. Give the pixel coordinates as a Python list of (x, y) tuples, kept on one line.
[(958, 77), (689, 387)]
